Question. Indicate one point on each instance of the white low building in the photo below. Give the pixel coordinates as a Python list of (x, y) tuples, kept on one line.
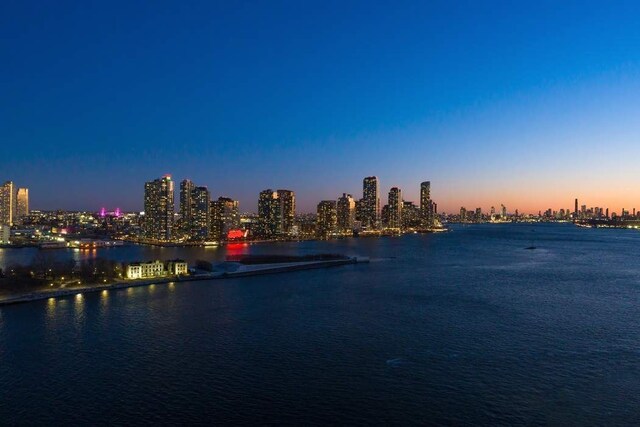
[(149, 270), (144, 270), (177, 267)]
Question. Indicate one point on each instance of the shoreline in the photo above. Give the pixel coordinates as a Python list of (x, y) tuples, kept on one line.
[(255, 270), (133, 242)]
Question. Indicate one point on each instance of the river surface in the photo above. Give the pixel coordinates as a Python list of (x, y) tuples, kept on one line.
[(465, 327)]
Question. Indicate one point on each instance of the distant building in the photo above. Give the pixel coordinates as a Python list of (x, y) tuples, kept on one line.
[(327, 219), (370, 203), (395, 208), (269, 214), (5, 234), (287, 199), (385, 215), (186, 205), (177, 267), (143, 270), (426, 205), (359, 211), (159, 209), (22, 205), (152, 269), (411, 216), (225, 216), (194, 211), (7, 203), (346, 212), (200, 214)]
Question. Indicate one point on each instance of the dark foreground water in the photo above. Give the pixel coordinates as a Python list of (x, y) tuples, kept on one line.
[(458, 328)]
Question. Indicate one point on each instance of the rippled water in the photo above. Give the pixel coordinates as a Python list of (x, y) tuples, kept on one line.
[(466, 327)]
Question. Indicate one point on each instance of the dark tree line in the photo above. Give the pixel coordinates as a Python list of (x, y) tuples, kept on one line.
[(44, 267)]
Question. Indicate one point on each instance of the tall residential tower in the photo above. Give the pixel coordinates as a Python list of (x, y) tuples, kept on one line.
[(346, 213), (395, 208), (7, 203), (159, 209), (269, 215), (426, 205), (287, 200), (195, 216), (22, 204), (370, 203)]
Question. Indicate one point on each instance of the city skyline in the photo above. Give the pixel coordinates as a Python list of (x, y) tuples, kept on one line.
[(412, 193), (523, 105)]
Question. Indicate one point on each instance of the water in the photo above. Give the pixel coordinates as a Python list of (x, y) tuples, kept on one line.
[(466, 327)]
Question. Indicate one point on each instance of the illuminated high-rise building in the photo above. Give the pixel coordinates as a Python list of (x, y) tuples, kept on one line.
[(269, 216), (370, 203), (411, 216), (225, 216), (384, 216), (7, 203), (186, 206), (195, 215), (200, 221), (159, 209), (395, 208), (287, 200), (426, 205), (359, 208), (327, 219), (346, 211), (22, 204)]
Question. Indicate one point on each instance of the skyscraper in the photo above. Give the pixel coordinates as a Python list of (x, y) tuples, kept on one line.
[(200, 221), (395, 208), (195, 215), (269, 216), (287, 200), (7, 203), (426, 205), (22, 204), (327, 219), (575, 211), (411, 217), (346, 211), (186, 205), (370, 203), (225, 216), (159, 209)]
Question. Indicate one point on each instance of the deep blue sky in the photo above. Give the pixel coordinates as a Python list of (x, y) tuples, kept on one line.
[(528, 104)]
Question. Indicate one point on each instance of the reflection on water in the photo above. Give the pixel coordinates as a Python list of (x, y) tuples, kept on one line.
[(236, 248), (79, 309), (466, 328), (104, 301)]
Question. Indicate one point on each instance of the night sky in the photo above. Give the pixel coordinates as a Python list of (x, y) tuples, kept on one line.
[(529, 104)]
